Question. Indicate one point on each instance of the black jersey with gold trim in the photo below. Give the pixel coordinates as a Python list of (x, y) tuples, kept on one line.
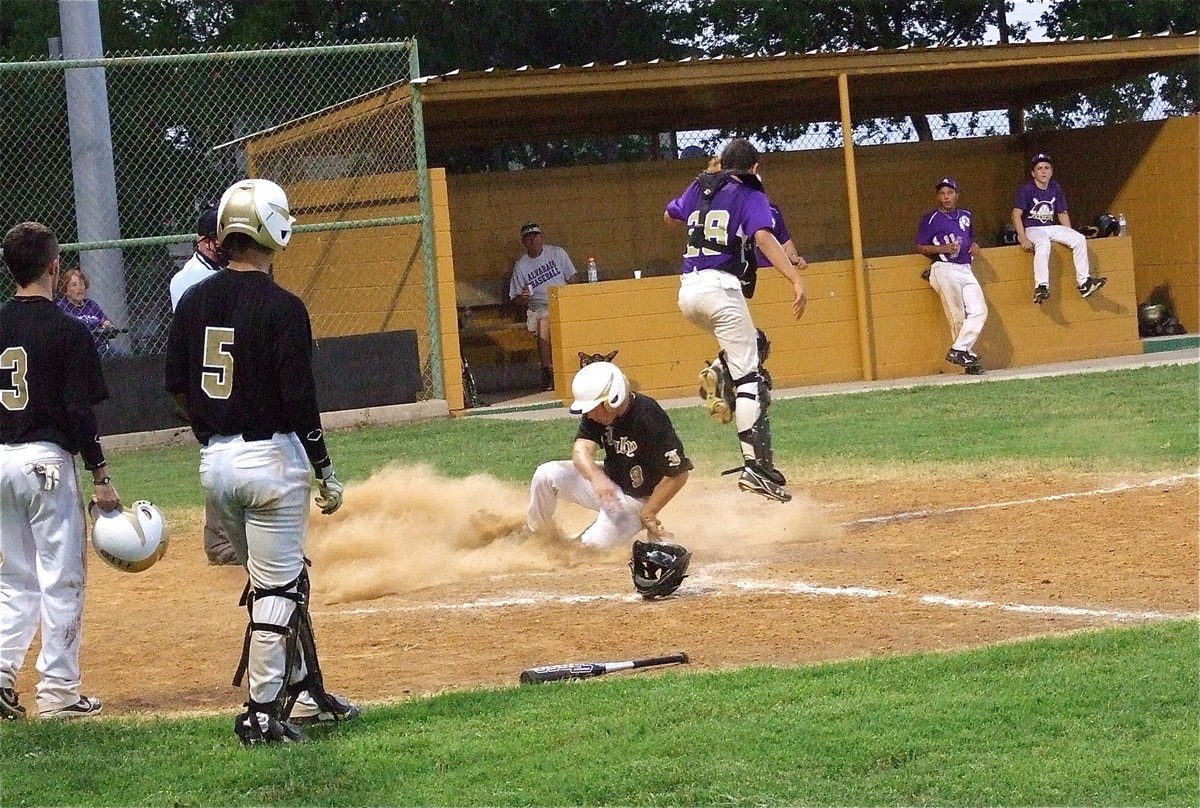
[(50, 377), (240, 350)]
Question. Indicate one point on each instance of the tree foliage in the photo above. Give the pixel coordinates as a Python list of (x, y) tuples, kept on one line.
[(1178, 91)]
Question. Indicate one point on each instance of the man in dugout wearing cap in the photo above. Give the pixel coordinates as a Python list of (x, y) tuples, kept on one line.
[(541, 267)]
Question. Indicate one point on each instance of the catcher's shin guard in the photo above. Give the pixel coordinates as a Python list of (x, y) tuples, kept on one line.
[(280, 651), (717, 390)]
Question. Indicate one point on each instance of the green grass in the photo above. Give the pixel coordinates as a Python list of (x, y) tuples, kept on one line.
[(1098, 718), (1135, 419)]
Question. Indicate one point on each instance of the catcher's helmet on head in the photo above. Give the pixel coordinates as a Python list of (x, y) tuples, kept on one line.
[(131, 540), (596, 384), (258, 208), (658, 568)]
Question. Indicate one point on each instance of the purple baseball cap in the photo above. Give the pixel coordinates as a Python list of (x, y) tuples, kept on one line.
[(1040, 157), (946, 182)]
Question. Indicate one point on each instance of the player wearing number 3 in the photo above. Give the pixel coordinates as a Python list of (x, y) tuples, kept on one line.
[(947, 235), (239, 359), (50, 378)]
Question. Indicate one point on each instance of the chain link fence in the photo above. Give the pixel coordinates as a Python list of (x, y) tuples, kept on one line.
[(176, 126)]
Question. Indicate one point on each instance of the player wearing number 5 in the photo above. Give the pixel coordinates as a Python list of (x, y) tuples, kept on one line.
[(723, 211), (239, 359)]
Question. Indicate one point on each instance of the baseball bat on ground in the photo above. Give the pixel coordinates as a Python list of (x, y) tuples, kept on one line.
[(587, 670)]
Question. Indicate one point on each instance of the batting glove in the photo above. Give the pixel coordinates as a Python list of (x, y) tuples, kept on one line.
[(331, 489), (48, 473)]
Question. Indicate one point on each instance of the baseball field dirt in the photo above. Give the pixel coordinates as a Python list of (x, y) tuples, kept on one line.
[(424, 584)]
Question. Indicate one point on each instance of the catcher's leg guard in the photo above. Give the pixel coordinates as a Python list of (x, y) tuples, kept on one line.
[(716, 390), (280, 652), (759, 475)]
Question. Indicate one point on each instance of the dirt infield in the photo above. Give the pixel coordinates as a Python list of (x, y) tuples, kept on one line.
[(421, 584)]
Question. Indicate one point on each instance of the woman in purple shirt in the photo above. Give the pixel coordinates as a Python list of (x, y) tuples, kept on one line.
[(74, 286)]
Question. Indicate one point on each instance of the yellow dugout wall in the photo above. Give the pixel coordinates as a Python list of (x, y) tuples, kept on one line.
[(615, 214)]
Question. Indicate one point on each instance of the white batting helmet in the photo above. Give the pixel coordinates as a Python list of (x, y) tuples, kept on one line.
[(258, 208), (596, 384), (131, 540)]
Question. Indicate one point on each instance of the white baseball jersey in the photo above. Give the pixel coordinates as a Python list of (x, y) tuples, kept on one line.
[(552, 268)]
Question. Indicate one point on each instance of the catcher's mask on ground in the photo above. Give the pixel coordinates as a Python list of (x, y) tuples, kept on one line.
[(130, 539), (258, 208), (658, 568)]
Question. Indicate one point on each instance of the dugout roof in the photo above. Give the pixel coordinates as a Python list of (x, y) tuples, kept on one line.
[(471, 109), (480, 108)]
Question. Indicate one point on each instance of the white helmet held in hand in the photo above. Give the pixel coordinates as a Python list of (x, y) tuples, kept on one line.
[(131, 539), (596, 384), (258, 208)]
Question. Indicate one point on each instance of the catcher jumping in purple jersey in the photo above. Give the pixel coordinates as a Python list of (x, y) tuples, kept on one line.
[(1040, 201), (947, 235), (724, 212)]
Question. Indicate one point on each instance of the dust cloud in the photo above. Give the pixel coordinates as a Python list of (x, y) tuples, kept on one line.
[(409, 528)]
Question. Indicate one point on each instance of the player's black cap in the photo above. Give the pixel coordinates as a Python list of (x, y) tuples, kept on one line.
[(946, 182), (1040, 157), (206, 225)]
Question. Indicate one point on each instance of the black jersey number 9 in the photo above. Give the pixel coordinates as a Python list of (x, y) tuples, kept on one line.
[(217, 379), (15, 360)]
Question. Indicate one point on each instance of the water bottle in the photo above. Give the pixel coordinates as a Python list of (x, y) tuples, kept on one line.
[(593, 274), (1122, 226)]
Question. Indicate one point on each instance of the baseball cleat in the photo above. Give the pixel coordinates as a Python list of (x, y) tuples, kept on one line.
[(755, 481), (975, 369), (254, 729), (1088, 287), (306, 711), (963, 358), (10, 705), (84, 707), (716, 392), (1041, 293)]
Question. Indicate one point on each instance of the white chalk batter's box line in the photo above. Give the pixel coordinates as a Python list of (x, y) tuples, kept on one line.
[(1098, 492), (705, 585), (708, 585)]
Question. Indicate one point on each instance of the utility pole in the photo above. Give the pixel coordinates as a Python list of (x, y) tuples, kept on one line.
[(1016, 115), (92, 159)]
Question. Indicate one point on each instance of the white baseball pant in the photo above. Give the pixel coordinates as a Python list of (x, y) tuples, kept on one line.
[(1042, 236), (260, 489), (713, 301), (43, 570), (560, 478), (962, 301)]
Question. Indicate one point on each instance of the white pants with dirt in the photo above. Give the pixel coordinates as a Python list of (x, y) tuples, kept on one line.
[(43, 570), (962, 300), (260, 490), (713, 301), (560, 478), (1042, 236)]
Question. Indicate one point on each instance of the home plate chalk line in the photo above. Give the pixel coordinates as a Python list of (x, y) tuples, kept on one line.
[(716, 581)]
